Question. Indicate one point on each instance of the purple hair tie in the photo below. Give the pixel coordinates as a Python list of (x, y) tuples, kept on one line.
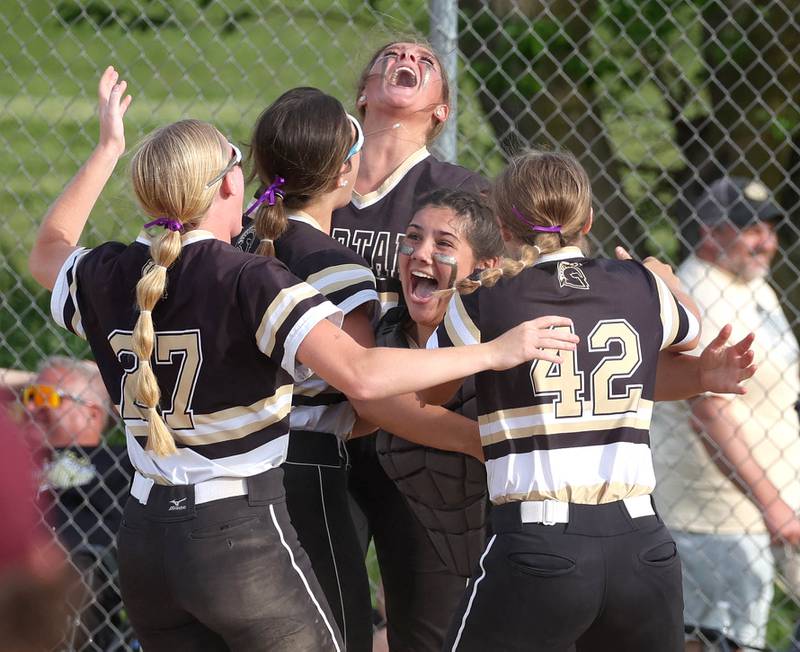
[(165, 222), (268, 195), (536, 227)]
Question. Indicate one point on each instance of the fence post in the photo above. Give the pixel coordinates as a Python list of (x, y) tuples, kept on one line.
[(443, 31)]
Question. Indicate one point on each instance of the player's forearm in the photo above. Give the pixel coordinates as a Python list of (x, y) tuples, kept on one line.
[(367, 374), (429, 426), (398, 371), (64, 222), (725, 425), (440, 394), (677, 377)]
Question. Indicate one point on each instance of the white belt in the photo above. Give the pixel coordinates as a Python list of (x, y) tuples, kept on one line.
[(204, 492), (550, 512)]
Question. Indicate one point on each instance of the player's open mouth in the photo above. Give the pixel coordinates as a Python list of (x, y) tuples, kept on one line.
[(423, 285), (404, 77)]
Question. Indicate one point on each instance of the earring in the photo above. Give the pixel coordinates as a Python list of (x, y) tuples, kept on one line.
[(362, 99), (343, 183), (439, 113)]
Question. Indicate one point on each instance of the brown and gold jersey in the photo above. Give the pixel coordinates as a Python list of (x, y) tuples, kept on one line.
[(226, 336), (373, 225), (578, 431), (344, 278)]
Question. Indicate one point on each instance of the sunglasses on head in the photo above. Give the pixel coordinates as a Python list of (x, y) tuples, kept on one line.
[(49, 396), (356, 148), (235, 160)]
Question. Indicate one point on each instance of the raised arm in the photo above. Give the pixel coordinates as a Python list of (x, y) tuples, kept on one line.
[(367, 374), (720, 368), (64, 222)]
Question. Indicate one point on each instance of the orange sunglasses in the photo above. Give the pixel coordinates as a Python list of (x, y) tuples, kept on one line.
[(49, 396)]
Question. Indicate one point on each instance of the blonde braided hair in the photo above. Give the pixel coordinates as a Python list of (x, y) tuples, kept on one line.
[(169, 172)]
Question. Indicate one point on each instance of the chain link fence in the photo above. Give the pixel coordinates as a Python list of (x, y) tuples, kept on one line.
[(657, 98)]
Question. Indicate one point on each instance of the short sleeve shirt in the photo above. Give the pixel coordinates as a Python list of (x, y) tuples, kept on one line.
[(576, 432), (227, 332), (344, 278), (693, 494), (373, 225)]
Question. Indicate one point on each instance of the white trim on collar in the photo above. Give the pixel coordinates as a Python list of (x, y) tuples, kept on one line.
[(363, 201), (197, 235), (301, 216), (561, 254)]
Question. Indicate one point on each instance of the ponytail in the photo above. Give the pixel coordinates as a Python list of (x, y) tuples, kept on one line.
[(149, 290), (270, 223), (508, 268), (170, 174)]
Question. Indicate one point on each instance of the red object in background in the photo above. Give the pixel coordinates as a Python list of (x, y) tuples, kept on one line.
[(22, 525)]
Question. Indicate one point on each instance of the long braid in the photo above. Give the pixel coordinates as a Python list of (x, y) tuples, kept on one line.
[(170, 173), (164, 250), (509, 267)]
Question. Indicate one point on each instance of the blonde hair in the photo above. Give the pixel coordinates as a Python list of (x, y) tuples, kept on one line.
[(170, 172), (546, 189)]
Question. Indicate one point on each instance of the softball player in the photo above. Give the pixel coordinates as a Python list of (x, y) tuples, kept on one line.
[(305, 150), (439, 532), (403, 101), (198, 345), (578, 554)]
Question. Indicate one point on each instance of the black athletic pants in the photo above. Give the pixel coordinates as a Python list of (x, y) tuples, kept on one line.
[(603, 581), (224, 575), (315, 476), (421, 594)]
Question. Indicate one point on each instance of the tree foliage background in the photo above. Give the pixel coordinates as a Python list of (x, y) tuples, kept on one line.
[(657, 97)]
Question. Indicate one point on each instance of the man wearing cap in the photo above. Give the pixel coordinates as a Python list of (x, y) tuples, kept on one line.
[(727, 466)]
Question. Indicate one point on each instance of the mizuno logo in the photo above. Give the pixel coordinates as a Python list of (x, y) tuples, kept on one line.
[(176, 505)]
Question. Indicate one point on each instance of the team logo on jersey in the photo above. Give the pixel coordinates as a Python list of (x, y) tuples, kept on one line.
[(247, 241), (571, 275)]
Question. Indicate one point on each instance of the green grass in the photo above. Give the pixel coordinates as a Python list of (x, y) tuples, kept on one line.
[(784, 616), (199, 69), (220, 62)]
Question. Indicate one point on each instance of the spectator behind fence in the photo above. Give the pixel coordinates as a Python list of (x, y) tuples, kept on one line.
[(84, 481), (34, 581), (727, 467)]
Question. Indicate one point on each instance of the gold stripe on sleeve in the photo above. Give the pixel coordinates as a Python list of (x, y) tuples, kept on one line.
[(335, 278), (277, 312), (670, 315), (459, 325)]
